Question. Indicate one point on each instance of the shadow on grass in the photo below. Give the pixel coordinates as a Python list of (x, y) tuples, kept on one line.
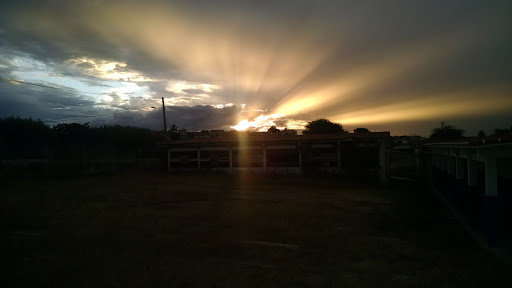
[(223, 231)]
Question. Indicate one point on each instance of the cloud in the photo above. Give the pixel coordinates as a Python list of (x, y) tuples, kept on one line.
[(194, 91), (340, 59), (220, 106), (104, 69), (55, 107), (192, 118), (51, 106), (187, 100), (263, 122)]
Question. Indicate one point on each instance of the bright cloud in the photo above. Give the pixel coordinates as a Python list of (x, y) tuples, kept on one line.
[(186, 100), (181, 87), (220, 106), (128, 95), (296, 124), (109, 70), (194, 93), (261, 123)]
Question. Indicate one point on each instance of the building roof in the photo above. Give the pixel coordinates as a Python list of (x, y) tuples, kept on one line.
[(235, 137), (473, 141)]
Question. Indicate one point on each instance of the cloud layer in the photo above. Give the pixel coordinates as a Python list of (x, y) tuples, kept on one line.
[(399, 65)]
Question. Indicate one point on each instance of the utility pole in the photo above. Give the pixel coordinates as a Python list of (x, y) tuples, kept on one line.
[(165, 120)]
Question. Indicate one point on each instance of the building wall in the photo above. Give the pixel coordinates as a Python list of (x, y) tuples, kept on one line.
[(477, 184), (348, 158)]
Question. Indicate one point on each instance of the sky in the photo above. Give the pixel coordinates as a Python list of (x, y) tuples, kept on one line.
[(399, 66)]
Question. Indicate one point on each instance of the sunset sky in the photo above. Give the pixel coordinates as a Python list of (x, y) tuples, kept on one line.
[(399, 66)]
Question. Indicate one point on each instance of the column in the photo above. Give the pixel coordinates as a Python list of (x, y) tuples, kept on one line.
[(299, 149), (339, 155), (492, 218), (459, 188), (443, 173), (382, 162), (444, 163), (168, 160), (418, 162), (265, 158), (459, 168), (198, 158), (472, 173), (450, 165), (473, 199), (491, 177), (230, 159)]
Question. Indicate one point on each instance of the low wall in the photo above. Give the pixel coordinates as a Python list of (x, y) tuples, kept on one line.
[(24, 166), (242, 170)]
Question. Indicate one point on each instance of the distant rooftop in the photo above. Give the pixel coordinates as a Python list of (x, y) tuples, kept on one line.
[(234, 137), (474, 141)]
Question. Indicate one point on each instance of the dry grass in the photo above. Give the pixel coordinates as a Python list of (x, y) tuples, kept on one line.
[(221, 231)]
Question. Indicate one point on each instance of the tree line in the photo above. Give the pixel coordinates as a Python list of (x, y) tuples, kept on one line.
[(448, 132), (322, 126), (444, 132), (16, 131), (24, 131)]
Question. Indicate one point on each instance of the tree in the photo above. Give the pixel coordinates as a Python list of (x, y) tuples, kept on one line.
[(447, 132), (323, 126), (361, 130), (273, 130), (20, 131), (173, 128), (23, 138), (499, 131), (173, 133), (121, 135), (72, 132), (481, 134)]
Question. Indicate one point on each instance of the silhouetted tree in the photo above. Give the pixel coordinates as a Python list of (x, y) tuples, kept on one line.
[(361, 130), (16, 131), (21, 138), (173, 128), (173, 132), (273, 130), (481, 134), (123, 135), (72, 132), (447, 132), (499, 131), (323, 126)]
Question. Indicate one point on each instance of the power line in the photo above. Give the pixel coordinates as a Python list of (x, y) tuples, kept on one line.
[(68, 90), (47, 86)]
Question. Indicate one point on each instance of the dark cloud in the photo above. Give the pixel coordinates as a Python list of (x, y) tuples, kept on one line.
[(348, 56), (62, 101), (54, 107), (202, 117), (117, 101), (56, 31), (51, 106), (192, 118)]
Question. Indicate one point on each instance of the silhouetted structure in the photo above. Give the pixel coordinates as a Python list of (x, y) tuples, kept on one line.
[(340, 154), (475, 176), (361, 130)]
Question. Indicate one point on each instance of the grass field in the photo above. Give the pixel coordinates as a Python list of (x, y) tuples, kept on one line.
[(233, 231)]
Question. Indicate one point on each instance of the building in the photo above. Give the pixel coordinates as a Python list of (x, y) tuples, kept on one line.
[(265, 153), (475, 177)]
